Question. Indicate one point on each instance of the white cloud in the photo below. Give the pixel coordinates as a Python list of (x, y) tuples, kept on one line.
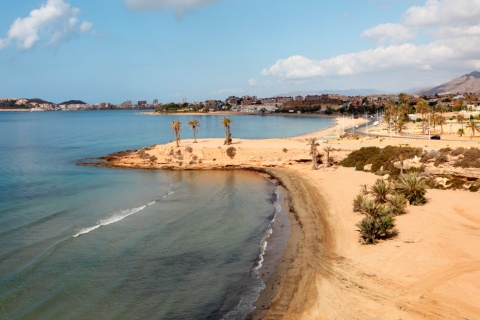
[(444, 12), (180, 7), (450, 31), (252, 82), (52, 22), (396, 32)]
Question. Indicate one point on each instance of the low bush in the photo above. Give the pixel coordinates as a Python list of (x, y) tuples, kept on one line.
[(471, 159), (231, 152), (458, 151)]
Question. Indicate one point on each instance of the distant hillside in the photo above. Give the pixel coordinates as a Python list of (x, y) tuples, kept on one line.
[(69, 102), (466, 83), (39, 101)]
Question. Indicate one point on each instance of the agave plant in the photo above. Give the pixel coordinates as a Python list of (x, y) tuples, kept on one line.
[(413, 188)]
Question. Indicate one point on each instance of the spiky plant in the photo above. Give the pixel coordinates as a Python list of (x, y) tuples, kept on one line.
[(380, 224), (358, 202), (397, 204), (380, 190), (313, 144), (412, 187)]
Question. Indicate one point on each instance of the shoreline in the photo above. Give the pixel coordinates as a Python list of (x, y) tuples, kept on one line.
[(325, 272)]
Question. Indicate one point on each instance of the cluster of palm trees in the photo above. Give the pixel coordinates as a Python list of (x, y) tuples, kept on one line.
[(194, 124), (313, 143), (383, 201), (435, 119), (471, 125)]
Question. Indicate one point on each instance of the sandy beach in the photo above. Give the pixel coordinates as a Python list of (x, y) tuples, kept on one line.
[(430, 270)]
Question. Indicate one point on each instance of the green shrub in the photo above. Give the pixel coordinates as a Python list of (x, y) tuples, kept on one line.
[(358, 202), (458, 151), (397, 203), (231, 152), (441, 158), (359, 166), (471, 159), (380, 191), (412, 187), (361, 155), (474, 188), (379, 226)]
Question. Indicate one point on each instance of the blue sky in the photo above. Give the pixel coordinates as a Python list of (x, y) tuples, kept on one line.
[(114, 50)]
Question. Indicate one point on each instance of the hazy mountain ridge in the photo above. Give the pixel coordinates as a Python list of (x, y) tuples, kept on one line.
[(466, 83)]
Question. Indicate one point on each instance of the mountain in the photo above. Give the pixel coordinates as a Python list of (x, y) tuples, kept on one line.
[(39, 101), (466, 83), (69, 102), (347, 92)]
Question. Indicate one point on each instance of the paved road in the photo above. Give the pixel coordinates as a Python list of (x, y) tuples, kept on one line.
[(362, 130)]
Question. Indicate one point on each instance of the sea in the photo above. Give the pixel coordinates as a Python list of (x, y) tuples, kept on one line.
[(82, 242)]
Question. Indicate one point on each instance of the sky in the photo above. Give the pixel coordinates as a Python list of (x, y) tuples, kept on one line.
[(170, 50)]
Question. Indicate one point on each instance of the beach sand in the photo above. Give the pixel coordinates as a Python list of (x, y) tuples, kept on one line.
[(430, 270)]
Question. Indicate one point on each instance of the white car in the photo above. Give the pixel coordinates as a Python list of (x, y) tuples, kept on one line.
[(376, 123)]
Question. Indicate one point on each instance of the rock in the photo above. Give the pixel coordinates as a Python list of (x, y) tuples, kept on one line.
[(367, 167)]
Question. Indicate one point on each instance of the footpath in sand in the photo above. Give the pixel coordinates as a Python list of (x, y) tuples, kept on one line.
[(431, 270)]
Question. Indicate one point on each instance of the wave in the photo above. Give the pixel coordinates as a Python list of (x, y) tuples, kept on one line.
[(115, 217), (120, 215), (247, 300)]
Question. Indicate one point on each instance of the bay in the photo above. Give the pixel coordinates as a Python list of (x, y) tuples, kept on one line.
[(87, 242)]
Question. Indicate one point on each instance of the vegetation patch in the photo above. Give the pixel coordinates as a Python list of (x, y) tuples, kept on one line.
[(231, 152), (383, 201), (380, 159)]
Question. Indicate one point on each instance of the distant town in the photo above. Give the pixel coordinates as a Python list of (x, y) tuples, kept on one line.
[(323, 104)]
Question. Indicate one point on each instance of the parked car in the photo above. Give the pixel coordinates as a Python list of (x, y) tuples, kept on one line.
[(435, 137)]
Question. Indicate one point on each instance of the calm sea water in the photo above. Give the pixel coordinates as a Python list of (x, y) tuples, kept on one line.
[(99, 243)]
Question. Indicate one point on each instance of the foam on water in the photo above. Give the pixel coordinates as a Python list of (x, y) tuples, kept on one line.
[(247, 300), (120, 215), (115, 217)]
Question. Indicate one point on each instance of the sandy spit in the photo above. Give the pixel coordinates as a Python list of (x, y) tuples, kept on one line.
[(431, 270)]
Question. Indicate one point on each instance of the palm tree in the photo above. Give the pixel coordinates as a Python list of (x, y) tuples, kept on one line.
[(473, 127), (312, 142), (423, 108), (413, 188), (327, 150), (226, 124), (194, 124), (397, 204), (176, 128), (440, 120), (461, 119), (380, 190)]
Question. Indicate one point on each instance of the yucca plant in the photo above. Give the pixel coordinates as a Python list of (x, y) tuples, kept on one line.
[(397, 204), (380, 190), (358, 202), (413, 188), (378, 224)]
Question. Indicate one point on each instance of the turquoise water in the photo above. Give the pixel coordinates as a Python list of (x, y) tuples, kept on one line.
[(99, 243)]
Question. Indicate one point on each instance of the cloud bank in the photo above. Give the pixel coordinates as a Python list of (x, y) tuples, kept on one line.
[(180, 7), (440, 35), (53, 22)]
